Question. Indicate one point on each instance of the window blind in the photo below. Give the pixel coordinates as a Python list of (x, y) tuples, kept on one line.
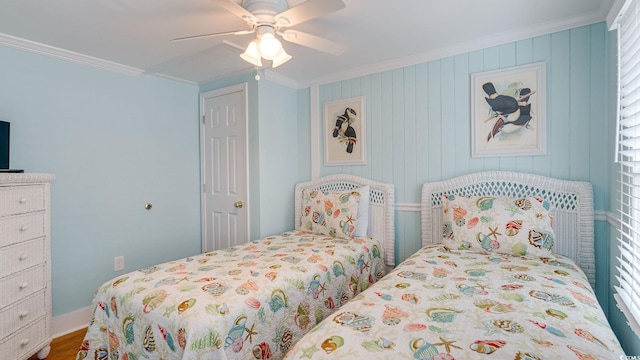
[(628, 156)]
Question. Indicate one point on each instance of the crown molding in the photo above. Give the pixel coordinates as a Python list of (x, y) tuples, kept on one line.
[(465, 47), (280, 79), (38, 48)]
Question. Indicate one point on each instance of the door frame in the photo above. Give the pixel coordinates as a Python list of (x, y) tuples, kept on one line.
[(243, 87)]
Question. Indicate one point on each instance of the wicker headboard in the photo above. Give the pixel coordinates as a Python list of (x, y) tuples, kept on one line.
[(381, 206), (573, 202)]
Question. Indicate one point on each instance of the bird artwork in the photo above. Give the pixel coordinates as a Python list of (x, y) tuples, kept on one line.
[(343, 129), (511, 113)]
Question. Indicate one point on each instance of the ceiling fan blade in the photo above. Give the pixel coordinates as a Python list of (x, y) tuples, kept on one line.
[(306, 11), (237, 32), (237, 10), (314, 42)]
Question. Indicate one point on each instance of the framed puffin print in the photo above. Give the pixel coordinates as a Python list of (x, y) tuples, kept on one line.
[(345, 132), (508, 111)]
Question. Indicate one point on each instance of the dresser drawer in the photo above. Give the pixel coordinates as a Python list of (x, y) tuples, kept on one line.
[(25, 342), (21, 199), (15, 229), (18, 257), (22, 313), (21, 285)]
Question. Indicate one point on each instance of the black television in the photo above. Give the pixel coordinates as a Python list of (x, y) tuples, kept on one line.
[(4, 144), (4, 148)]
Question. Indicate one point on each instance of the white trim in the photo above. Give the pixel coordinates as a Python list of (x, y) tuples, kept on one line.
[(169, 77), (73, 321), (38, 48), (280, 79), (615, 13), (407, 207), (505, 37)]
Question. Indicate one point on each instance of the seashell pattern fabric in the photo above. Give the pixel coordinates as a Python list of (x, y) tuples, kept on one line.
[(482, 306), (251, 301), (517, 226), (333, 214)]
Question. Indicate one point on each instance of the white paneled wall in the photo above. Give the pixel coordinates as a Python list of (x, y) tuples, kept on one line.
[(418, 119)]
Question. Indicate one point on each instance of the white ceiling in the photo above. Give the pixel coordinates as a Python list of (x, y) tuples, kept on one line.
[(133, 36)]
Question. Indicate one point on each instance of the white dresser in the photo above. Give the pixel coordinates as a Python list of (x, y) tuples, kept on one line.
[(25, 266)]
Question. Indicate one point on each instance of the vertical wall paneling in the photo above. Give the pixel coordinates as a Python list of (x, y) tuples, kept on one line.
[(491, 60), (558, 105), (598, 112), (542, 52), (461, 114), (421, 131), (476, 64), (418, 117), (507, 58), (397, 132), (409, 143), (387, 124), (374, 118), (434, 122), (579, 119), (365, 90), (524, 55), (448, 105)]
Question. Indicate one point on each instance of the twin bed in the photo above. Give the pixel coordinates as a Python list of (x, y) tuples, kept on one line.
[(489, 283), (251, 301)]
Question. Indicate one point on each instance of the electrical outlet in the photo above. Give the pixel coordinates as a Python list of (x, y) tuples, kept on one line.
[(118, 263)]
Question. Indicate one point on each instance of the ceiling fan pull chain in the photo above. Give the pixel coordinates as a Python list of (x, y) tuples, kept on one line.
[(257, 74)]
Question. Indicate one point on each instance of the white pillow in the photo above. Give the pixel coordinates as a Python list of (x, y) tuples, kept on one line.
[(362, 218)]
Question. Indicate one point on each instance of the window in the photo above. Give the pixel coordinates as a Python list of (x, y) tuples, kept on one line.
[(628, 150)]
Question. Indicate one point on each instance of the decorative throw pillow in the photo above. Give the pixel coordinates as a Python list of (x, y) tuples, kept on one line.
[(330, 213), (518, 226), (362, 220)]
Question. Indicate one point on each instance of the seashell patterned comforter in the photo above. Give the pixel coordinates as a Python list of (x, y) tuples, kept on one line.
[(251, 301), (440, 304)]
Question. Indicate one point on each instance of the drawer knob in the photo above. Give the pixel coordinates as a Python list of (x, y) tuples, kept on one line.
[(23, 314), (24, 342), (23, 200), (24, 228), (23, 257), (24, 285)]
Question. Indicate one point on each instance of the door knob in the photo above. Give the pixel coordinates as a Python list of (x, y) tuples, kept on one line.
[(238, 204)]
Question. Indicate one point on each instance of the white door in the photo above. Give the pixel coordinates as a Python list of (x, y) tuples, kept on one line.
[(224, 154)]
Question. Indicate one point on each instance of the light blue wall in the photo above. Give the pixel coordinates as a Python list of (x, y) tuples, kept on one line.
[(278, 156), (114, 143), (418, 118), (418, 130)]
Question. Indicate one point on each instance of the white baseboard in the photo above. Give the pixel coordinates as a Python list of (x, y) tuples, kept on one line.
[(70, 322)]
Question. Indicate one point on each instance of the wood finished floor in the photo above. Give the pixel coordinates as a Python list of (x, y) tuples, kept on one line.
[(66, 346)]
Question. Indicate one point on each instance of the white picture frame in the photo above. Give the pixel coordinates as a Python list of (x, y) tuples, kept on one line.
[(508, 111), (345, 132)]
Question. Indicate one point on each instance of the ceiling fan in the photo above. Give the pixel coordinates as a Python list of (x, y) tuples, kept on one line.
[(268, 18)]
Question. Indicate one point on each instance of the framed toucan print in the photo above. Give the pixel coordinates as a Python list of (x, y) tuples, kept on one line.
[(344, 132), (508, 111)]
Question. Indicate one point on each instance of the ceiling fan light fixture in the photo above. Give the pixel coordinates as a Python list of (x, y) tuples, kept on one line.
[(269, 46), (252, 54), (280, 59)]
